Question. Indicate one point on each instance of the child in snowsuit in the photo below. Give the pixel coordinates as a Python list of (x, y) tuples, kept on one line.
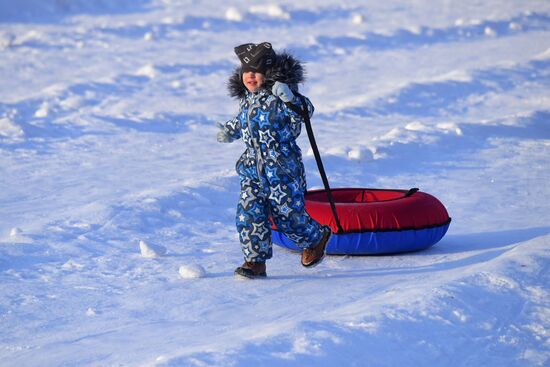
[(270, 169)]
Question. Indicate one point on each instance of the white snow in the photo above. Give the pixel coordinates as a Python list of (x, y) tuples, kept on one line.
[(233, 14), (490, 32), (43, 110), (358, 19), (6, 40), (271, 10), (191, 271), (9, 129), (148, 71), (149, 36), (15, 232), (545, 55), (108, 155), (150, 250), (514, 26)]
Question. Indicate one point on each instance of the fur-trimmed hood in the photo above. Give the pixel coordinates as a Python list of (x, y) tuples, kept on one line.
[(287, 69)]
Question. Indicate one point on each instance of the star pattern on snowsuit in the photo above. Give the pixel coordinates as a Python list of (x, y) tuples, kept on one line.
[(277, 194), (247, 197), (263, 119), (264, 245), (284, 210), (259, 230), (295, 187), (247, 251), (285, 134), (266, 137), (241, 219), (271, 173), (284, 149), (245, 237), (256, 211)]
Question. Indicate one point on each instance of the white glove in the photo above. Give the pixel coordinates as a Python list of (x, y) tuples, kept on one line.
[(282, 91), (223, 136)]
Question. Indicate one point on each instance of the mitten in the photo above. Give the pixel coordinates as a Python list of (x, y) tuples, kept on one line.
[(282, 91), (223, 136)]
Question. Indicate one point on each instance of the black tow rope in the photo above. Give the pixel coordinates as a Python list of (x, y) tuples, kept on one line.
[(305, 115)]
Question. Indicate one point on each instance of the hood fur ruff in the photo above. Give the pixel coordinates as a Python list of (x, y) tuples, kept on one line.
[(287, 69)]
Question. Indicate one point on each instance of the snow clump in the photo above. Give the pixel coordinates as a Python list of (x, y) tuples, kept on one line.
[(272, 10), (15, 232), (450, 127), (361, 154), (43, 110), (490, 32), (358, 19), (6, 40), (149, 36), (233, 14), (191, 271), (148, 71), (151, 251)]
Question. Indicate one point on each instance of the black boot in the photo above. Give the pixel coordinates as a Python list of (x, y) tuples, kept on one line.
[(251, 270)]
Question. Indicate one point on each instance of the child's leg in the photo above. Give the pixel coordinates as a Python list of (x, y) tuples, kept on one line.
[(253, 222), (290, 216)]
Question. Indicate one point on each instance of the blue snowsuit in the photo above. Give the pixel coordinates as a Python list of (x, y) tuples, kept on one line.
[(272, 175)]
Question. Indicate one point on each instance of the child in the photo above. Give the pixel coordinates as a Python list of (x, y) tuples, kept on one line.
[(270, 169)]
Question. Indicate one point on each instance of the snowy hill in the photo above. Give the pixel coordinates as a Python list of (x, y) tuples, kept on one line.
[(117, 205)]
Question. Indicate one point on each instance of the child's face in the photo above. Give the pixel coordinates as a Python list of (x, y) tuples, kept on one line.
[(253, 81)]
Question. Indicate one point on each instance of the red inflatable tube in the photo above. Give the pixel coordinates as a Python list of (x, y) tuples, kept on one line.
[(376, 221), (362, 210)]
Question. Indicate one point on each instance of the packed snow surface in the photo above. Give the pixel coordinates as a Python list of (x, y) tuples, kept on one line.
[(117, 235)]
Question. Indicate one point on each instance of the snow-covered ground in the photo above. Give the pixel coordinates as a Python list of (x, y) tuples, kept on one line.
[(108, 152)]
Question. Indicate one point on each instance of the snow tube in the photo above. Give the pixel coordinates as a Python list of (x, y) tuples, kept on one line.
[(376, 221)]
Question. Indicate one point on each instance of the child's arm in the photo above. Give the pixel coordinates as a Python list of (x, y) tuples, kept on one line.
[(230, 131), (297, 105), (292, 105)]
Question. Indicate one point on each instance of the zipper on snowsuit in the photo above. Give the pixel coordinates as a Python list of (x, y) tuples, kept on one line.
[(257, 150)]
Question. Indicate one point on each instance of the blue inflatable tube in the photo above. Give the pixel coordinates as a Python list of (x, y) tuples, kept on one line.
[(375, 243)]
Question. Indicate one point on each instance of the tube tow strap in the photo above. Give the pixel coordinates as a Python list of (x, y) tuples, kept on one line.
[(305, 115)]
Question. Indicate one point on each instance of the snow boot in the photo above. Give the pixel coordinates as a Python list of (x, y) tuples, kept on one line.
[(313, 256), (251, 270)]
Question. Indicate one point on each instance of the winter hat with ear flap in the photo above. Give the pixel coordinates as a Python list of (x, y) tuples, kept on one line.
[(256, 57)]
